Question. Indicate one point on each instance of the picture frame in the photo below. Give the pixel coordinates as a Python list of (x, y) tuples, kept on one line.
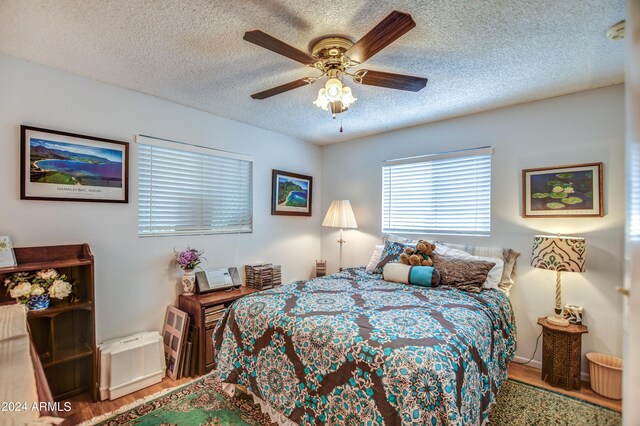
[(563, 191), (174, 333), (7, 255), (291, 193), (63, 166)]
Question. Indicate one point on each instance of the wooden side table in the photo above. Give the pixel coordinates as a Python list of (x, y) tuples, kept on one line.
[(195, 306), (562, 354)]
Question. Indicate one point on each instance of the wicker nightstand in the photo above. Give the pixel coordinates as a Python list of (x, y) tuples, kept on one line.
[(562, 354)]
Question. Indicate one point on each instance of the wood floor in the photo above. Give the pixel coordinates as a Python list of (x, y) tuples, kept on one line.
[(83, 409), (531, 375)]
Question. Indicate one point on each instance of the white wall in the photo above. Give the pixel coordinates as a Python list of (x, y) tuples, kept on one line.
[(631, 377), (578, 128), (135, 280)]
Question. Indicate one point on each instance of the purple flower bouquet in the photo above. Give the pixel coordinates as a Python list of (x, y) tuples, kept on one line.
[(189, 258)]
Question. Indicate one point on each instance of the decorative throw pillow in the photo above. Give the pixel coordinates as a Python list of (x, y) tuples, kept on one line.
[(390, 253), (464, 274), (423, 276), (495, 274), (375, 258), (509, 271), (508, 255)]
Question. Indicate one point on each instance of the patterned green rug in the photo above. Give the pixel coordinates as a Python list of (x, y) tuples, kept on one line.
[(520, 404), (203, 402)]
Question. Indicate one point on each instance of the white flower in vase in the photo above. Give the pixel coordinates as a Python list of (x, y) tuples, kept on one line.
[(47, 274), (36, 290), (21, 290), (59, 289)]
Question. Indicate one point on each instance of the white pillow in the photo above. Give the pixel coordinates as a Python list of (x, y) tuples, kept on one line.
[(398, 239), (375, 257), (495, 274)]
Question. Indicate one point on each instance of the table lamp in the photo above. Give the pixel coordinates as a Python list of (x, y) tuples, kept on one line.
[(560, 254), (340, 216)]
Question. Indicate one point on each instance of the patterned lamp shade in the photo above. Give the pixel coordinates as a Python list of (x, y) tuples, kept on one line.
[(567, 254)]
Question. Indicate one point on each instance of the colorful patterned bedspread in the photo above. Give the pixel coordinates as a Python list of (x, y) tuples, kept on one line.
[(352, 348)]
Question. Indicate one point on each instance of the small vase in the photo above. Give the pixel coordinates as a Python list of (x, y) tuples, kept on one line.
[(188, 281), (37, 303)]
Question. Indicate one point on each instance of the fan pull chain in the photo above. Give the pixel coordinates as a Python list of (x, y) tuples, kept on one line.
[(341, 125)]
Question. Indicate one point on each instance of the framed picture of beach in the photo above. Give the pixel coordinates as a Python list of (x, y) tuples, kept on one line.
[(291, 194), (563, 191), (65, 166)]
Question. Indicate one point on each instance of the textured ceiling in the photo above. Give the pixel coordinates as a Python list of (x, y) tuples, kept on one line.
[(477, 55)]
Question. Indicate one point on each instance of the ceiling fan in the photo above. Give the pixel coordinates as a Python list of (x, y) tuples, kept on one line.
[(334, 55)]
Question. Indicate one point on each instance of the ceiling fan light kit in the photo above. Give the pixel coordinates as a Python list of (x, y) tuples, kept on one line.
[(334, 95), (334, 55)]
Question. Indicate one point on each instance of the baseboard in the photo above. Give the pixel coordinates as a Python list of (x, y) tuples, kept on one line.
[(537, 364)]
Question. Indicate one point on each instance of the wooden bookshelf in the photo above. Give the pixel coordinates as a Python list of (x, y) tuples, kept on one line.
[(63, 334)]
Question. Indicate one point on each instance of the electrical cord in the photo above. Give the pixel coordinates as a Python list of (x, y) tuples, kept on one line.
[(534, 352)]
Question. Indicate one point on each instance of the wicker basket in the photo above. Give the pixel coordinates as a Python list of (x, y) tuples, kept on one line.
[(606, 374)]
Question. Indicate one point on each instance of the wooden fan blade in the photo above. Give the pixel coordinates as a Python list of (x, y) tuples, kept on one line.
[(281, 89), (393, 81), (386, 32), (271, 43)]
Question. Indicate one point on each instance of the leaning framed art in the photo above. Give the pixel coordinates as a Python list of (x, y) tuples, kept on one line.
[(563, 191), (66, 166), (291, 194)]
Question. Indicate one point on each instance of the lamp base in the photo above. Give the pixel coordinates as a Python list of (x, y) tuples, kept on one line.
[(557, 320)]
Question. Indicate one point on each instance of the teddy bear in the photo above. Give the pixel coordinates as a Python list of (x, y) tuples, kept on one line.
[(420, 256)]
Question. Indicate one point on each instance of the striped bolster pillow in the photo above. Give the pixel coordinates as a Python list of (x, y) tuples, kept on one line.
[(425, 276)]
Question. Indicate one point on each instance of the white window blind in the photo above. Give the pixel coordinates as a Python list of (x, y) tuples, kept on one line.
[(185, 189), (448, 193)]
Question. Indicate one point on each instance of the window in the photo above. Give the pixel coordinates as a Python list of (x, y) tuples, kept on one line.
[(447, 193), (186, 189)]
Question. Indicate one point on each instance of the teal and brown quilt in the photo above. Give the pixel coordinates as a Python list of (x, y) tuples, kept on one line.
[(351, 348)]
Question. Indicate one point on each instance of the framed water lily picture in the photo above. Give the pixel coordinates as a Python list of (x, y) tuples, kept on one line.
[(563, 191), (66, 166)]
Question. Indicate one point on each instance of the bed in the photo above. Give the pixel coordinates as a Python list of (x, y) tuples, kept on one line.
[(351, 348)]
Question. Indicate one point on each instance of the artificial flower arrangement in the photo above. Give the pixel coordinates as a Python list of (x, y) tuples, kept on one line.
[(35, 290), (189, 258)]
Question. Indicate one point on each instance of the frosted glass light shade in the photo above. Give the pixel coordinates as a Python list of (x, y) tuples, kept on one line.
[(347, 97), (340, 215), (322, 101), (333, 89), (555, 253)]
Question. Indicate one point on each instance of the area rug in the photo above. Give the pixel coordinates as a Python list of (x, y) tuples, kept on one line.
[(520, 404), (203, 402)]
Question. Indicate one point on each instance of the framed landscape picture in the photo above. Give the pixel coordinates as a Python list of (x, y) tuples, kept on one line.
[(291, 194), (564, 191), (70, 167)]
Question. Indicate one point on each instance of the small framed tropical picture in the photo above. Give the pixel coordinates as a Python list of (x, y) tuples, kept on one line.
[(291, 194), (564, 191), (71, 167)]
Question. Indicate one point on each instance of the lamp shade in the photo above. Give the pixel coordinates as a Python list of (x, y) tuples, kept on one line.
[(556, 253), (340, 215)]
